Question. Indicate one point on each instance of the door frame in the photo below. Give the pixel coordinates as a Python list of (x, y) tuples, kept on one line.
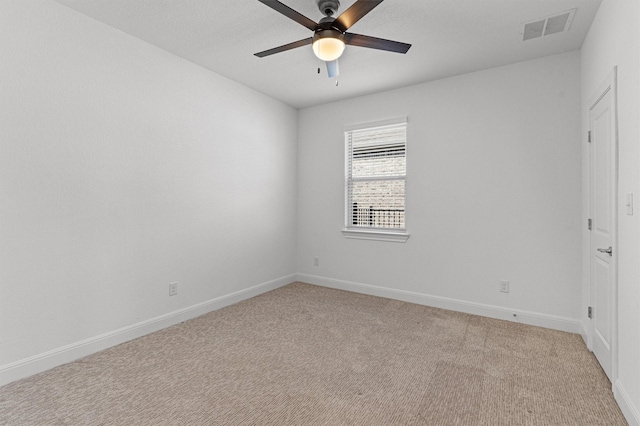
[(610, 84)]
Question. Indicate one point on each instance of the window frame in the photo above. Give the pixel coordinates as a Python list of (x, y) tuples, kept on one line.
[(372, 233)]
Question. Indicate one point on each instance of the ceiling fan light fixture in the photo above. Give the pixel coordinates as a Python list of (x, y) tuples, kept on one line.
[(328, 45)]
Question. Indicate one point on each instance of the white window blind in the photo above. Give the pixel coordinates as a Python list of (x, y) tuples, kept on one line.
[(375, 177)]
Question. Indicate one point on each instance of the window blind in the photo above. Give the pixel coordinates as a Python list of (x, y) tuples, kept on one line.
[(375, 177)]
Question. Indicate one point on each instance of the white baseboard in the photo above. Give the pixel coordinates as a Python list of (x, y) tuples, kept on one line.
[(50, 359), (584, 332), (630, 411), (515, 315), (63, 355)]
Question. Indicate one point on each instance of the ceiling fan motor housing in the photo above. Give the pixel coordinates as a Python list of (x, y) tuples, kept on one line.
[(328, 7), (327, 33), (326, 29)]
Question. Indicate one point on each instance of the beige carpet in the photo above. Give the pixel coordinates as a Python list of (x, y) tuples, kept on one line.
[(306, 355)]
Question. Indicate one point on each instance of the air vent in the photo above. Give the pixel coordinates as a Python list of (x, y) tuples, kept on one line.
[(549, 25)]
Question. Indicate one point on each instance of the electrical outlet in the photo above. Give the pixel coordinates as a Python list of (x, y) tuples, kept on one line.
[(173, 289), (316, 261), (504, 286)]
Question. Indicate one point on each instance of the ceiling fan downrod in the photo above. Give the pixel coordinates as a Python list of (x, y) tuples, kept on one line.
[(328, 7)]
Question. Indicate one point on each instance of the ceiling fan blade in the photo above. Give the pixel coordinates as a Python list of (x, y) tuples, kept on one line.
[(355, 13), (290, 13), (285, 47), (375, 43), (332, 68)]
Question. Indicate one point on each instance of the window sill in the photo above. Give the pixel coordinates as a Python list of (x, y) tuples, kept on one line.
[(375, 235)]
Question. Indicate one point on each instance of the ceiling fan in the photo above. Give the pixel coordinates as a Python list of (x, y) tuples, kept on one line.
[(330, 34)]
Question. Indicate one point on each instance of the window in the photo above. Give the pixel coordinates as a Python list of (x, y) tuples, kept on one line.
[(375, 180)]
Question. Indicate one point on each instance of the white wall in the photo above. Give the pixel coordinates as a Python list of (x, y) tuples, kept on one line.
[(124, 168), (614, 39), (493, 193)]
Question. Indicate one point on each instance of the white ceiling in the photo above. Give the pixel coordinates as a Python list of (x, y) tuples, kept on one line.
[(449, 37)]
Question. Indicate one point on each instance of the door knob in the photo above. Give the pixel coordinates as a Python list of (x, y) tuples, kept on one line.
[(609, 251)]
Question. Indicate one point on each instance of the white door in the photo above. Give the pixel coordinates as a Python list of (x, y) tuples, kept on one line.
[(602, 256)]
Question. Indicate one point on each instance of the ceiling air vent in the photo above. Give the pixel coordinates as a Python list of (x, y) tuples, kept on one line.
[(547, 26)]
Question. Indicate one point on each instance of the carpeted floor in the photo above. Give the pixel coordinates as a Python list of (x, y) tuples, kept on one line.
[(307, 355)]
